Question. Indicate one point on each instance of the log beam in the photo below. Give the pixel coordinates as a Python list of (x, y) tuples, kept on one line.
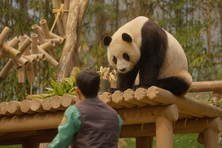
[(148, 114), (204, 86), (166, 97)]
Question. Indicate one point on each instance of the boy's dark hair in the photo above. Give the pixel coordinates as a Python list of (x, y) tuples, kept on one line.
[(88, 82)]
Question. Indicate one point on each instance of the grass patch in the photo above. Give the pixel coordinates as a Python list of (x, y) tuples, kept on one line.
[(179, 141)]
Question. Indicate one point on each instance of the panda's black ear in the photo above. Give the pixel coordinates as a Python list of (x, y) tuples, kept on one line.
[(126, 37), (107, 40)]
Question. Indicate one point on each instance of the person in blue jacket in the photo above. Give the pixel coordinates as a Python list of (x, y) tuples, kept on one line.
[(90, 123)]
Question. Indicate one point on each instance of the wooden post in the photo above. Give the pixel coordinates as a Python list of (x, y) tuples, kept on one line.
[(164, 133), (211, 138), (144, 142)]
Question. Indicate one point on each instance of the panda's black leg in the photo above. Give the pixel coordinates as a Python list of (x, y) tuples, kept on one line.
[(125, 80), (175, 85)]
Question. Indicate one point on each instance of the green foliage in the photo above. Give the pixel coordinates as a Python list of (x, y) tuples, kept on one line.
[(59, 88)]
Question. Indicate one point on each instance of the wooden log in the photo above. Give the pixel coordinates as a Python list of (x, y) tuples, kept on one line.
[(47, 136), (106, 97), (164, 133), (190, 113), (56, 103), (197, 125), (179, 127), (36, 105), (211, 138), (216, 96), (25, 107), (13, 135), (144, 142), (141, 96), (3, 109), (200, 138), (68, 100), (128, 96), (148, 114), (166, 97), (14, 108), (47, 105), (117, 98), (37, 121), (205, 86)]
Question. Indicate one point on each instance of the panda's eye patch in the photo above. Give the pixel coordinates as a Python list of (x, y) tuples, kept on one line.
[(126, 57), (114, 59)]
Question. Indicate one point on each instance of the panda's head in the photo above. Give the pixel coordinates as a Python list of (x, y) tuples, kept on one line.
[(123, 53)]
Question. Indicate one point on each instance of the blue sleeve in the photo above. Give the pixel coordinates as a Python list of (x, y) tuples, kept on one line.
[(120, 125), (69, 126)]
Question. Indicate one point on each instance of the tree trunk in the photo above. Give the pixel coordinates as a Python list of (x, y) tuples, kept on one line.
[(69, 57)]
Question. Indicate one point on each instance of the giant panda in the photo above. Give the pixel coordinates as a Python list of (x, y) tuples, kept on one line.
[(141, 46)]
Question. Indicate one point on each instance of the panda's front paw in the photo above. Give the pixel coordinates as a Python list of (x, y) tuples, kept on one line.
[(112, 90), (139, 86)]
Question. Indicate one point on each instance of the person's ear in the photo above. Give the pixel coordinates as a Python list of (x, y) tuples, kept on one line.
[(99, 88), (77, 90)]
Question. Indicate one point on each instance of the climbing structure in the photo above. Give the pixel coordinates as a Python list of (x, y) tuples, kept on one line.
[(145, 113)]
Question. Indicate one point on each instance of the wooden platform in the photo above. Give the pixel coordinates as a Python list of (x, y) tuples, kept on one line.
[(145, 113)]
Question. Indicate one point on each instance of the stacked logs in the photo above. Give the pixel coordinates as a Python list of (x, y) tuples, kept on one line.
[(31, 52), (55, 103)]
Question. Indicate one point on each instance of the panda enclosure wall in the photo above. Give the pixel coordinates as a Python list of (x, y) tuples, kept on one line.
[(196, 25)]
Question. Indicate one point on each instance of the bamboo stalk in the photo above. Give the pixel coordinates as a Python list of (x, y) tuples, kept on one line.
[(30, 59), (17, 64), (5, 32), (14, 42), (21, 74), (34, 44), (47, 45), (40, 64), (49, 58), (52, 35), (36, 29), (30, 73), (34, 51), (12, 51), (45, 29)]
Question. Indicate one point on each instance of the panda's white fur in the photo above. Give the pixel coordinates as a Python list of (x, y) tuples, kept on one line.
[(175, 62), (117, 47)]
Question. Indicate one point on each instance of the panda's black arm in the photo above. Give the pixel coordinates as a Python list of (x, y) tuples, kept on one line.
[(125, 80)]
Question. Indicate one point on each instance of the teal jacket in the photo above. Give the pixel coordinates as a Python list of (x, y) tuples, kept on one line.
[(69, 126)]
